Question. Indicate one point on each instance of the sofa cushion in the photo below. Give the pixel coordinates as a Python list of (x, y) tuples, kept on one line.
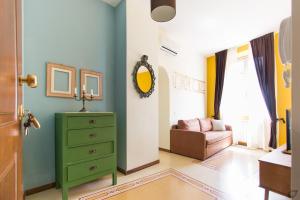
[(215, 136), (190, 125), (205, 125), (218, 125)]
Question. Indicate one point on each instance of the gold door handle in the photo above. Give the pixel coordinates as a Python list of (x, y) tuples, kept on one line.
[(30, 80)]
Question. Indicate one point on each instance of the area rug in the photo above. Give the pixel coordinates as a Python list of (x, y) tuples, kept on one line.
[(166, 185)]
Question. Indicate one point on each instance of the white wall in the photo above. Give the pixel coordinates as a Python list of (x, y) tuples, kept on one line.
[(142, 114), (144, 134), (164, 108), (296, 99), (183, 104)]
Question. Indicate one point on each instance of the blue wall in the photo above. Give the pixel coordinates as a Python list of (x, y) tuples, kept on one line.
[(120, 82), (72, 32)]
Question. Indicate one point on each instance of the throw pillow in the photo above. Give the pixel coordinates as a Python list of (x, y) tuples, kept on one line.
[(190, 125), (205, 125), (218, 125)]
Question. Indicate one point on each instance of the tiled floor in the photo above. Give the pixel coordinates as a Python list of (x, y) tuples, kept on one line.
[(234, 172)]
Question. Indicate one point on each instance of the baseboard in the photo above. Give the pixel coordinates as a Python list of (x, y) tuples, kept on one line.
[(163, 149), (142, 167), (39, 189), (123, 171), (138, 168)]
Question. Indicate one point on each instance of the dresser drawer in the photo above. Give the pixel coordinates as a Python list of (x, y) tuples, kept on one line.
[(83, 170), (271, 174), (90, 136), (89, 152), (90, 122)]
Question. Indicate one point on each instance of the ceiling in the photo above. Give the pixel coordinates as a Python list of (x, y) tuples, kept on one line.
[(113, 3), (213, 25)]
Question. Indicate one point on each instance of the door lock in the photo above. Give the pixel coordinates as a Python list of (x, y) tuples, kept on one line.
[(31, 121), (21, 112)]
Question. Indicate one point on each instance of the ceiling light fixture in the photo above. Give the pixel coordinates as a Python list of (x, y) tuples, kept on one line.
[(163, 10)]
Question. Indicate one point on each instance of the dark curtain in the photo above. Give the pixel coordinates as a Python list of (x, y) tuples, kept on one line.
[(263, 54), (220, 73)]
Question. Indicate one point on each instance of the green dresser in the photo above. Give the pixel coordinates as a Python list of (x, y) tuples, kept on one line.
[(85, 148)]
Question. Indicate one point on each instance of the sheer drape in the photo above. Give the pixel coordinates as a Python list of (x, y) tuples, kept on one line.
[(231, 101), (259, 132), (242, 104)]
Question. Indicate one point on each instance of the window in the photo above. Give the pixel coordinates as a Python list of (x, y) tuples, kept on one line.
[(242, 104)]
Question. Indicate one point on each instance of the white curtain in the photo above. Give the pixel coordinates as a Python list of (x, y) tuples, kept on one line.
[(231, 99), (242, 105)]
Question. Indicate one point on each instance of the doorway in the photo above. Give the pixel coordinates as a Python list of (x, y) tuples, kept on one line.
[(164, 108)]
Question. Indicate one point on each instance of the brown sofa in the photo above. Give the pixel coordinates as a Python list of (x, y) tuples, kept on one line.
[(195, 138)]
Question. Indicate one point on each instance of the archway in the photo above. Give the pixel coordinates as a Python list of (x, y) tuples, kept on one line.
[(164, 108)]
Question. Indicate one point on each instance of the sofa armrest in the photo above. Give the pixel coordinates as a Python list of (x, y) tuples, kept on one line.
[(228, 128), (188, 143)]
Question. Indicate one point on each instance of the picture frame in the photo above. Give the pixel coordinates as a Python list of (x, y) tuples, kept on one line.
[(92, 82), (187, 83), (61, 80)]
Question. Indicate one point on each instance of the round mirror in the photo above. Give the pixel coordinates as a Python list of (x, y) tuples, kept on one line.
[(143, 78)]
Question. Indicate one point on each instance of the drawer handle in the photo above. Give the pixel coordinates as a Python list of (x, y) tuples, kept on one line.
[(92, 135), (92, 151), (92, 121), (92, 168)]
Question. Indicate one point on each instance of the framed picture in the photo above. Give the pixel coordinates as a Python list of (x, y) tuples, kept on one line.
[(92, 83), (187, 83), (61, 80)]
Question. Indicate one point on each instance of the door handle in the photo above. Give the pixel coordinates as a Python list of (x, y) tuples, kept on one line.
[(30, 80)]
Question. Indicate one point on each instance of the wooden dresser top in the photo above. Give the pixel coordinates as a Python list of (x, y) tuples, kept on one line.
[(277, 157)]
